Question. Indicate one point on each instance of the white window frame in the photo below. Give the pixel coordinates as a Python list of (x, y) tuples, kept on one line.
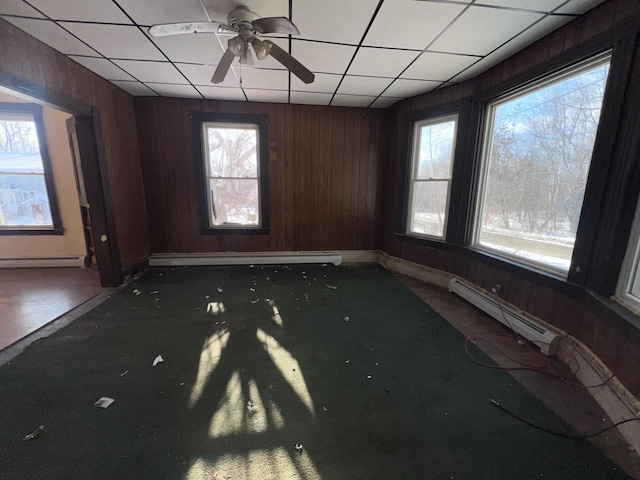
[(630, 271), (487, 138), (413, 173)]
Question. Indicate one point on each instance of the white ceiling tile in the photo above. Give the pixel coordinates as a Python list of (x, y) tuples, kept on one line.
[(222, 93), (264, 79), (540, 29), (53, 35), (257, 95), (333, 20), (163, 11), (311, 98), (162, 72), (538, 5), (323, 57), (18, 7), (135, 88), (170, 90), (352, 85), (83, 10), (352, 100), (410, 88), (410, 24), (497, 26), (191, 48), (381, 62), (116, 41), (323, 83), (437, 66), (385, 102), (103, 67), (579, 6), (201, 75)]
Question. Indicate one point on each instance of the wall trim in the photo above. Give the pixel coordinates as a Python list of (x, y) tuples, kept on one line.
[(242, 258), (77, 262), (415, 270)]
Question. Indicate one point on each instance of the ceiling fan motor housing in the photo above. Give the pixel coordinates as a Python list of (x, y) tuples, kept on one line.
[(240, 18)]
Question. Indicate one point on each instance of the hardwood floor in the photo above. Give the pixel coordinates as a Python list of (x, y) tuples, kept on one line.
[(31, 298)]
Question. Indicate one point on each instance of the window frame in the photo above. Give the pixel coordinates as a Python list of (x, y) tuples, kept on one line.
[(485, 136), (199, 121), (414, 155), (56, 221)]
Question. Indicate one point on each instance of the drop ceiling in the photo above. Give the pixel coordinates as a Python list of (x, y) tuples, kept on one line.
[(364, 53)]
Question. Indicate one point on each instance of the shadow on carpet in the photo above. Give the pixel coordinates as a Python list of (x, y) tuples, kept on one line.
[(304, 372)]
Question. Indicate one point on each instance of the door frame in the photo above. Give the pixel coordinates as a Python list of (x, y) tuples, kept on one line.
[(91, 137)]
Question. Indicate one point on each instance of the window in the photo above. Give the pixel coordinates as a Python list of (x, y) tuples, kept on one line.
[(432, 151), (233, 168), (628, 289), (537, 152), (27, 197)]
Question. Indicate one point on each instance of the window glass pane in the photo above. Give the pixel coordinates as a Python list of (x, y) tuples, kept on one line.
[(232, 152), (429, 207), (435, 150), (536, 169), (23, 193), (234, 202)]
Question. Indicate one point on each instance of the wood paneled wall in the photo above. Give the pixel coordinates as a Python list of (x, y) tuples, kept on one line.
[(54, 76), (592, 320), (324, 177)]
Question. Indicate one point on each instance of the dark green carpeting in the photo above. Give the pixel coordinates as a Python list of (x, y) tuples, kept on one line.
[(387, 394)]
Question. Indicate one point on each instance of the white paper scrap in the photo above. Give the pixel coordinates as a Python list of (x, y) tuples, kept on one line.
[(158, 360), (104, 402)]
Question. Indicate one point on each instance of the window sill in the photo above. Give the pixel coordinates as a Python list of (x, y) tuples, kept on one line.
[(31, 231), (235, 231)]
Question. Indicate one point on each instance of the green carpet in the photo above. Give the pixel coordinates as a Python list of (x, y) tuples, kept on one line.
[(388, 393)]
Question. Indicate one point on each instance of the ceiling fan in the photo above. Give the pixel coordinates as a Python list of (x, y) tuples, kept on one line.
[(247, 25)]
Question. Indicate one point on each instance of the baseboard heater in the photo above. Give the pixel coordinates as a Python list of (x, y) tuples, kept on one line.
[(533, 331), (160, 260), (64, 262)]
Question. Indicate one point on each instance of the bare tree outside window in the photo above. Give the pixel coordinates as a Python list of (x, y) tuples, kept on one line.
[(432, 159), (233, 172), (536, 166)]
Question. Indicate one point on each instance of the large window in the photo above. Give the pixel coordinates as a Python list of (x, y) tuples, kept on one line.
[(233, 170), (537, 152), (432, 151), (27, 199), (628, 289)]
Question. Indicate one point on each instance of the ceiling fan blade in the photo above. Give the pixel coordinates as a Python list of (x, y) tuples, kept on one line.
[(275, 25), (165, 29), (223, 67), (299, 70)]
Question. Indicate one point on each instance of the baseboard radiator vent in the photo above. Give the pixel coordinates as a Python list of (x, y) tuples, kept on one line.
[(533, 331), (169, 260), (64, 262)]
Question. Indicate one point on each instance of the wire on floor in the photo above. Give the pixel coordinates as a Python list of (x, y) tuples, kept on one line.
[(562, 434)]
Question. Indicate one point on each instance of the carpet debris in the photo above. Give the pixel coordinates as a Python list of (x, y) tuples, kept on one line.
[(219, 289), (34, 434), (332, 287), (251, 407), (158, 360), (136, 291), (271, 388), (252, 289), (346, 319), (255, 300), (104, 402), (154, 292), (299, 448), (124, 373), (324, 408)]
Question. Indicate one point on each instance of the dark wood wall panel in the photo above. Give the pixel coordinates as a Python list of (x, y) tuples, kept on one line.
[(324, 177), (54, 76), (575, 311)]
